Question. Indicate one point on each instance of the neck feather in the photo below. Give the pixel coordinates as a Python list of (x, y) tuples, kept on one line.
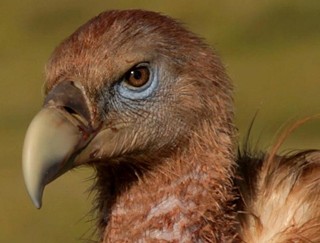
[(187, 198)]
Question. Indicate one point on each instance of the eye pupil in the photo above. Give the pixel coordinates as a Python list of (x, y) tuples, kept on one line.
[(136, 74), (137, 77)]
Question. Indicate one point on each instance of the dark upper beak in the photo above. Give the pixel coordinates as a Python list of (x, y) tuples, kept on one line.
[(56, 135)]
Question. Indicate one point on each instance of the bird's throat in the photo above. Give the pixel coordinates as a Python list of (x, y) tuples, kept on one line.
[(188, 197)]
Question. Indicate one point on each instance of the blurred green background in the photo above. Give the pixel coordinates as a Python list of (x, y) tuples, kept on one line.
[(271, 50)]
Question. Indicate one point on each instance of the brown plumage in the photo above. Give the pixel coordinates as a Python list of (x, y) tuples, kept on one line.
[(149, 106), (279, 195)]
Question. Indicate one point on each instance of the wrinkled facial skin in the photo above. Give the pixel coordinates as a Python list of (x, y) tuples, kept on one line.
[(147, 114), (139, 117)]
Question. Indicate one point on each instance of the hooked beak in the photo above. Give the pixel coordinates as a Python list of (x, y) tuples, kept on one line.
[(55, 137)]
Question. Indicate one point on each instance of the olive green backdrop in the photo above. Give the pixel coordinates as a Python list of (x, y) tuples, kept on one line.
[(271, 50)]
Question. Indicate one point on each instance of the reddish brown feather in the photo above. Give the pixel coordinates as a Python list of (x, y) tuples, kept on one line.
[(279, 195), (184, 188)]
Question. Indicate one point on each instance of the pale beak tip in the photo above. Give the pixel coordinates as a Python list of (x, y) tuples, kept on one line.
[(36, 196), (37, 202), (49, 141)]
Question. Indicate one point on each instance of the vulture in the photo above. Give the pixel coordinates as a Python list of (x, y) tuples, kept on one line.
[(148, 105)]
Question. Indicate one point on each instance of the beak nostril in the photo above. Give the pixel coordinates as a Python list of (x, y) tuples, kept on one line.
[(76, 114), (69, 110), (69, 97)]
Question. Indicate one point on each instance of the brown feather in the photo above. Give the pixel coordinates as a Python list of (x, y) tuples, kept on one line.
[(172, 178), (279, 195)]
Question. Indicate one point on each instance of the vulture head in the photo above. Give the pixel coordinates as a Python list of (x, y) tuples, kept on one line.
[(142, 100), (148, 105)]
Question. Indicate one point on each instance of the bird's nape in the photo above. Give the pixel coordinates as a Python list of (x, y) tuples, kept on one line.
[(149, 106)]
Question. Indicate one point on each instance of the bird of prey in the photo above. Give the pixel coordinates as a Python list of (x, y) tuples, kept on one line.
[(148, 105)]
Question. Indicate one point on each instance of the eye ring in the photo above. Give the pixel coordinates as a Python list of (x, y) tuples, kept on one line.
[(142, 90), (137, 76)]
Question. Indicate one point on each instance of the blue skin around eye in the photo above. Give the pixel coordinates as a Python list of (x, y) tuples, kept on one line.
[(143, 92)]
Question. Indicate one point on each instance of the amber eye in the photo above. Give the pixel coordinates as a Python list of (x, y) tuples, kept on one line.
[(137, 76)]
